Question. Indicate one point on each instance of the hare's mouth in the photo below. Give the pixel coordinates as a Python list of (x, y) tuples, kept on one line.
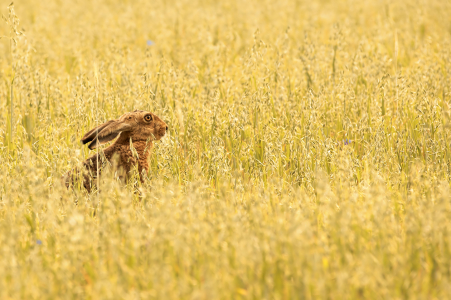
[(162, 133), (158, 136)]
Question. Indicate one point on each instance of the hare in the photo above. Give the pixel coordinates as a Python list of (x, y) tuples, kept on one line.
[(138, 128)]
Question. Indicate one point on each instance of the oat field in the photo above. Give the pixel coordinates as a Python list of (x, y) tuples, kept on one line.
[(308, 153)]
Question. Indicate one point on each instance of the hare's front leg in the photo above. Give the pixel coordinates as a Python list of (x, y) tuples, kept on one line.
[(143, 173)]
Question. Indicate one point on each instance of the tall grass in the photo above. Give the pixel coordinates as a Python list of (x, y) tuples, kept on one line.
[(308, 155)]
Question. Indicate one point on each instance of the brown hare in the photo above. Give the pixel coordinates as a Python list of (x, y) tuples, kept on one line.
[(138, 128)]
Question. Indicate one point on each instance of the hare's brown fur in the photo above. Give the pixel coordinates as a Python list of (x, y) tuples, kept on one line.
[(139, 128)]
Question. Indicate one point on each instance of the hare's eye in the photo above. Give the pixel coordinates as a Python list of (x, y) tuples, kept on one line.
[(148, 118)]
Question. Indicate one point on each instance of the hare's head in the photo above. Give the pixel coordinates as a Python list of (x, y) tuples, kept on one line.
[(138, 126)]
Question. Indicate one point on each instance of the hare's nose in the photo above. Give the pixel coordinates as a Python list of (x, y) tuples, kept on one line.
[(167, 128)]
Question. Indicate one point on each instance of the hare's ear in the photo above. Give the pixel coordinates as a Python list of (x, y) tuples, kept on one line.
[(88, 137), (108, 133)]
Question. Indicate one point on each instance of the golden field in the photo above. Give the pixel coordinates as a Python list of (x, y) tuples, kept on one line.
[(308, 153)]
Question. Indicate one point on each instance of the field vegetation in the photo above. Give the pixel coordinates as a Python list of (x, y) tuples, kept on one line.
[(308, 153)]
